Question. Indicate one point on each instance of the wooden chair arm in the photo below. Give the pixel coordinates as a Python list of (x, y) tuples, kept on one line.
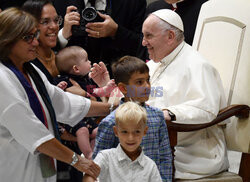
[(241, 111)]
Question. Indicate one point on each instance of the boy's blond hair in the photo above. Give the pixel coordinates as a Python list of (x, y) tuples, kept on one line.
[(67, 58), (130, 111)]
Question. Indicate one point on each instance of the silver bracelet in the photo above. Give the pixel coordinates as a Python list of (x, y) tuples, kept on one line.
[(74, 159)]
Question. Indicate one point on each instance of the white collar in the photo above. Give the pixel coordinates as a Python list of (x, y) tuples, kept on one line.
[(169, 58), (99, 4), (163, 64), (122, 156)]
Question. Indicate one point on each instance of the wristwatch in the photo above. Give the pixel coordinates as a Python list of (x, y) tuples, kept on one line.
[(74, 159), (172, 115)]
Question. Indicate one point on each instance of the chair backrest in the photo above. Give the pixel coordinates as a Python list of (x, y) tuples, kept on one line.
[(223, 37)]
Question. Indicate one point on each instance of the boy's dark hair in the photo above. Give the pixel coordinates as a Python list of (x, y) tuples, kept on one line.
[(126, 66)]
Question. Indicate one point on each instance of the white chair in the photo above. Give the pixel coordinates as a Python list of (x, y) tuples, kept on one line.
[(223, 37)]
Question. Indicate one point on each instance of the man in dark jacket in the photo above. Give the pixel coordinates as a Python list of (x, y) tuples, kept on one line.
[(119, 34)]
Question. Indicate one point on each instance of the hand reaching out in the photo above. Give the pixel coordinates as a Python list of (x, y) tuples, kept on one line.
[(106, 90), (88, 166), (99, 74)]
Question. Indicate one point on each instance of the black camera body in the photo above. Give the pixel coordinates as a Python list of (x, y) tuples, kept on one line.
[(86, 16)]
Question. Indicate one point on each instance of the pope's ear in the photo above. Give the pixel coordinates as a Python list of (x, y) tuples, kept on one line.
[(171, 36), (122, 87)]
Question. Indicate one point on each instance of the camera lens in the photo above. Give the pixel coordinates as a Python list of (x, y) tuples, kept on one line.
[(89, 14)]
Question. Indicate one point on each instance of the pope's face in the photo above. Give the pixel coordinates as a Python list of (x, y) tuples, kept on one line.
[(155, 39)]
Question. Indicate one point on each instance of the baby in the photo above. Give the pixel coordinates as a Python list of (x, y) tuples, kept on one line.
[(72, 63)]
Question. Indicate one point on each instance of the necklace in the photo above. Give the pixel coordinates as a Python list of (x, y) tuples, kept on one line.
[(45, 59)]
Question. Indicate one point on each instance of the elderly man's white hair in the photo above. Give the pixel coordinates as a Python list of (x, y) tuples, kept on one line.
[(169, 20)]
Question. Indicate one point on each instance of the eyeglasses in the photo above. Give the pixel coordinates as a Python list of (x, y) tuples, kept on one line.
[(47, 21), (29, 38)]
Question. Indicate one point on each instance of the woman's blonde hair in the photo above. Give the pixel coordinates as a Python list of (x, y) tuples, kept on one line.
[(130, 111), (14, 24)]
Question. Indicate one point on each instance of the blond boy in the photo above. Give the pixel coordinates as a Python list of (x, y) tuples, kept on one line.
[(127, 161)]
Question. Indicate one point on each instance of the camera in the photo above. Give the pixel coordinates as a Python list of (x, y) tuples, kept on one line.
[(87, 15)]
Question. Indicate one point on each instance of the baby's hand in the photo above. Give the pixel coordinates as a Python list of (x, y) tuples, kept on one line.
[(106, 90), (99, 74), (62, 85)]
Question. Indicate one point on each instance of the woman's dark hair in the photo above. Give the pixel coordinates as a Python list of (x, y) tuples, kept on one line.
[(35, 7)]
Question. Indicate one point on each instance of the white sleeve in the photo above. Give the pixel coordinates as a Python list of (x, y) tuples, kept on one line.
[(63, 42), (155, 174), (102, 161), (202, 97)]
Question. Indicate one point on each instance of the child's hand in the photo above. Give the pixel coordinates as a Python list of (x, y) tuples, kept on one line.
[(62, 85), (99, 74), (106, 90)]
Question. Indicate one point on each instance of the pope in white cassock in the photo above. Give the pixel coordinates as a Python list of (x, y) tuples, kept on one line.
[(189, 90)]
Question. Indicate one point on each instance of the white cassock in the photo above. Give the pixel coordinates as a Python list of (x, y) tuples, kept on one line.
[(20, 130), (186, 84)]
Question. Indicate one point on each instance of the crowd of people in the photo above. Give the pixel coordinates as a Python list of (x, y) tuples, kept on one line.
[(55, 107)]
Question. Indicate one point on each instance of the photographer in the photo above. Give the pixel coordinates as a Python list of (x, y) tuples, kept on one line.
[(117, 35)]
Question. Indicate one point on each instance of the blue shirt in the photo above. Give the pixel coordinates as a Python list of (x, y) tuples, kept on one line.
[(155, 144)]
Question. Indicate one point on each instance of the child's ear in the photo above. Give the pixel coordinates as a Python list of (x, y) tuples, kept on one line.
[(145, 130), (75, 69), (122, 87), (115, 131)]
